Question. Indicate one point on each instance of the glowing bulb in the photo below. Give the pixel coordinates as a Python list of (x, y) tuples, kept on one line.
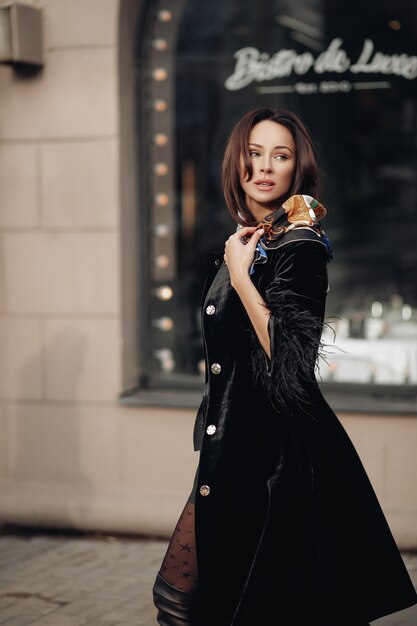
[(162, 261), (160, 105), (162, 199), (164, 16), (164, 323), (161, 230), (165, 357), (164, 292), (159, 74), (161, 139), (161, 169), (160, 44)]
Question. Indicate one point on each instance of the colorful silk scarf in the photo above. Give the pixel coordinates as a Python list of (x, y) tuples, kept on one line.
[(299, 211)]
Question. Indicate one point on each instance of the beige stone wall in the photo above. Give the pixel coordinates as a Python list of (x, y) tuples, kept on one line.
[(387, 447), (70, 455)]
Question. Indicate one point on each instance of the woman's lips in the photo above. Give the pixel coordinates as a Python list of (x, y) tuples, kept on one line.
[(264, 184)]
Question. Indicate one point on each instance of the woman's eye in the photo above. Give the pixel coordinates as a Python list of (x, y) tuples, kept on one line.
[(277, 157)]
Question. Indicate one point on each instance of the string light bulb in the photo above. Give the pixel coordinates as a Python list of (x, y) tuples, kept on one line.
[(160, 44), (160, 106), (162, 261), (159, 74), (164, 15), (161, 139), (164, 292), (162, 199), (165, 357), (164, 323), (160, 169), (161, 230)]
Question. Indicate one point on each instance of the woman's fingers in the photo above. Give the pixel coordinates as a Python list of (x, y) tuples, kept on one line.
[(242, 232), (234, 254), (258, 233), (253, 241), (246, 228)]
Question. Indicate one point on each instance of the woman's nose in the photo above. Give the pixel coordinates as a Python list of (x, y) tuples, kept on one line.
[(265, 165)]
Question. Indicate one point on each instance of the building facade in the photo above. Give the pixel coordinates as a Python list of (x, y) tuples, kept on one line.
[(110, 207)]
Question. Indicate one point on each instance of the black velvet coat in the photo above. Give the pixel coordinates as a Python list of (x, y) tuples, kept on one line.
[(291, 532)]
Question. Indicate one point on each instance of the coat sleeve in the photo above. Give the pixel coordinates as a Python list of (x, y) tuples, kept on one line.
[(296, 297)]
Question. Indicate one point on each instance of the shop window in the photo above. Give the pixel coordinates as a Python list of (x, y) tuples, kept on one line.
[(349, 69)]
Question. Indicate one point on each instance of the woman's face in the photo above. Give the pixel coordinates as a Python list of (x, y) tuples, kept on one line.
[(272, 153)]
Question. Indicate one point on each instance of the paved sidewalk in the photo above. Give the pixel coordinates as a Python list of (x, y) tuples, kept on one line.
[(94, 580)]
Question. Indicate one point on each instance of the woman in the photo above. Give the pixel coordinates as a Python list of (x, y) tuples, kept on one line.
[(282, 525)]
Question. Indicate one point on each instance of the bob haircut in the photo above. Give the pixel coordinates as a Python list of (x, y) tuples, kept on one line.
[(306, 176)]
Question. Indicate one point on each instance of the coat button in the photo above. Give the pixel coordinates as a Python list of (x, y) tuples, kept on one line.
[(210, 430), (211, 309), (216, 368), (217, 262), (204, 490)]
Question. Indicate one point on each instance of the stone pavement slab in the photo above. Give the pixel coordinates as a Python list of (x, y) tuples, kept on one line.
[(57, 579)]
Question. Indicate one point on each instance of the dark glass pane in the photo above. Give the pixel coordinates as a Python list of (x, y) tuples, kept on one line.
[(364, 123)]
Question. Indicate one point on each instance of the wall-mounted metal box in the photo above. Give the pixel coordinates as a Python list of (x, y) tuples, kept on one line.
[(20, 34)]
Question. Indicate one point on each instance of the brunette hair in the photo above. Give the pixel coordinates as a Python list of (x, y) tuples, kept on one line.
[(306, 175)]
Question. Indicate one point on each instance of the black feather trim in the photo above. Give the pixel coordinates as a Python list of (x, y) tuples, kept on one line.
[(295, 327)]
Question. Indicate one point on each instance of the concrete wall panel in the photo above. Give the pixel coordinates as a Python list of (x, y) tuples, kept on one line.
[(75, 96), (4, 443), (61, 273), (19, 193), (80, 22), (21, 367), (79, 184), (164, 439), (82, 360), (69, 444)]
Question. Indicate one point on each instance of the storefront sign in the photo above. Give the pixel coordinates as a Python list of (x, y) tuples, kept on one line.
[(255, 66)]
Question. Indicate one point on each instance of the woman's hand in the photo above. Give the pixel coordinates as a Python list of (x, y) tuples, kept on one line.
[(238, 259), (239, 255)]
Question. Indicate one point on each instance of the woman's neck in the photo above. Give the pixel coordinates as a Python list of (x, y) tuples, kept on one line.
[(260, 211)]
